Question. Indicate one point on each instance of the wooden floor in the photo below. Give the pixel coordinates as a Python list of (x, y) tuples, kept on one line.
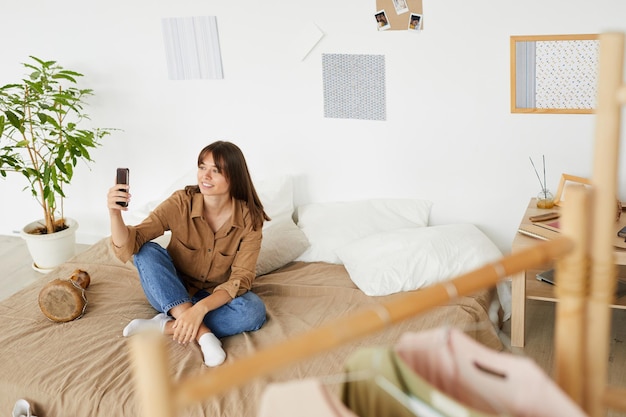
[(15, 264)]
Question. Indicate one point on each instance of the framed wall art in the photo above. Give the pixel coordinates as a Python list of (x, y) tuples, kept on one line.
[(554, 73)]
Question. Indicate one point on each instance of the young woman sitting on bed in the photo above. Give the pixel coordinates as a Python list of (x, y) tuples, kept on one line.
[(200, 284)]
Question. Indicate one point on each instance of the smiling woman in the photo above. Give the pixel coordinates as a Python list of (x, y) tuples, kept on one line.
[(200, 284)]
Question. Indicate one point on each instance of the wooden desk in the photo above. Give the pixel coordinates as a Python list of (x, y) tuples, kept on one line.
[(525, 284)]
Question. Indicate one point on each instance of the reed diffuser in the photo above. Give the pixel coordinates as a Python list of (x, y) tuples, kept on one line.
[(545, 199)]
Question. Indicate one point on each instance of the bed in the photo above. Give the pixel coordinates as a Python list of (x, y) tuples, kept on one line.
[(82, 367)]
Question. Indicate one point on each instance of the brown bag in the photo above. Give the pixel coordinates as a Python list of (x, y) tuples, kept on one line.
[(63, 300)]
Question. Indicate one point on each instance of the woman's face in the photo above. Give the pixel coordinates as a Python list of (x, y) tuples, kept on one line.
[(210, 180)]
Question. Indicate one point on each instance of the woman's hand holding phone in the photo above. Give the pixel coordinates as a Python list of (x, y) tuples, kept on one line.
[(118, 194)]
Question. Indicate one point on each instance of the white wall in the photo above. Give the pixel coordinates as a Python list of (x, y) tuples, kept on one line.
[(449, 136)]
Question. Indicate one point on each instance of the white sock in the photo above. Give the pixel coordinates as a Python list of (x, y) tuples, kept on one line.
[(212, 350), (138, 325)]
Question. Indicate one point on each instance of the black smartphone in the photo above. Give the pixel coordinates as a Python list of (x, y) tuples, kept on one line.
[(123, 178)]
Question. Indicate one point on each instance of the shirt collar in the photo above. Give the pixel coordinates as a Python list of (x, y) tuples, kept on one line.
[(197, 204), (236, 219)]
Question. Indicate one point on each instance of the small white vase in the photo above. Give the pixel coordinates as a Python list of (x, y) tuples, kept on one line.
[(50, 250)]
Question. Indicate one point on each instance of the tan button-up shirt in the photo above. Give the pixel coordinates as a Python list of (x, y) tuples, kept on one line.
[(223, 260)]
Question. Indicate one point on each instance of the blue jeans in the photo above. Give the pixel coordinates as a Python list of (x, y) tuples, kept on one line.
[(165, 290)]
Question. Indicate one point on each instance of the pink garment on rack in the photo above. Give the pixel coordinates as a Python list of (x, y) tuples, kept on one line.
[(302, 398), (490, 381)]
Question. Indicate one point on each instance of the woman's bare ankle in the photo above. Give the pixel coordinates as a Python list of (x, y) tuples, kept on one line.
[(202, 331)]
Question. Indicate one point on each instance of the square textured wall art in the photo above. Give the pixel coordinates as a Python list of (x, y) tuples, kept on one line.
[(192, 48), (354, 86), (567, 74)]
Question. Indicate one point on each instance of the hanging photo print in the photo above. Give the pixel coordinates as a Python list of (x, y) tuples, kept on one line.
[(415, 21), (400, 6), (381, 20)]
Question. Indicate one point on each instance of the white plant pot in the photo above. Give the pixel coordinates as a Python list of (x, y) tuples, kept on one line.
[(50, 250)]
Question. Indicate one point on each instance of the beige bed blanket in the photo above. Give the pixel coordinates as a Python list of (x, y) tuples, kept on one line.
[(82, 368)]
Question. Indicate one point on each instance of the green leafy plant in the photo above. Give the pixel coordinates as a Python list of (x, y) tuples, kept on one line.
[(40, 135)]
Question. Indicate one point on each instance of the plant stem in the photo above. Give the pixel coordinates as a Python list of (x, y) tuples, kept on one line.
[(34, 157), (543, 188)]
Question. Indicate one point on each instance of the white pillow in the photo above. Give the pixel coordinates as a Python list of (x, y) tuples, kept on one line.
[(329, 226), (136, 214), (408, 259), (282, 241), (276, 194)]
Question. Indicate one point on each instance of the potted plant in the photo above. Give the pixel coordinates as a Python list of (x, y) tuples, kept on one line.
[(40, 138)]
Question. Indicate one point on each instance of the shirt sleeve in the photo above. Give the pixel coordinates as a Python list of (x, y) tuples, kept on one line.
[(151, 227)]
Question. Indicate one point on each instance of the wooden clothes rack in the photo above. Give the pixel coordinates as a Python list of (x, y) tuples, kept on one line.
[(586, 277), (583, 316)]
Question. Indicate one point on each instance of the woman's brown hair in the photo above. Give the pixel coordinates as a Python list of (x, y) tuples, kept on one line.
[(231, 163)]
